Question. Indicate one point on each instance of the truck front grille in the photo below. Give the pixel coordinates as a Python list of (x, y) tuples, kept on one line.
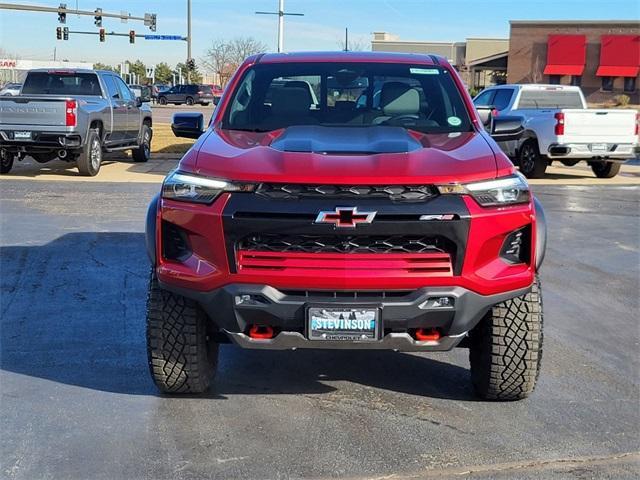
[(345, 244), (413, 193)]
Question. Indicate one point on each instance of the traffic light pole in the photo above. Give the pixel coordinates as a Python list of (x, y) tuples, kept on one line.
[(69, 11)]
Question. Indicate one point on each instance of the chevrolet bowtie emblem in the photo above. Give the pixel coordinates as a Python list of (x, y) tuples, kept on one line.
[(345, 217)]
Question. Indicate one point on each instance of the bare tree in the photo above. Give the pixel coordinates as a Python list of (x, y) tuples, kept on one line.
[(536, 71), (224, 57), (243, 47)]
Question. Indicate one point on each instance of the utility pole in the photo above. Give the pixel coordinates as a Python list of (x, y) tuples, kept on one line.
[(346, 39), (188, 40), (281, 14)]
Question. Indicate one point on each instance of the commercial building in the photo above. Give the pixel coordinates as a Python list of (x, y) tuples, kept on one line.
[(602, 57), (480, 61), (14, 70)]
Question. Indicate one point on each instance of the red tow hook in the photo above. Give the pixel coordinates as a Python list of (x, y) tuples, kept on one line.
[(427, 335), (261, 332)]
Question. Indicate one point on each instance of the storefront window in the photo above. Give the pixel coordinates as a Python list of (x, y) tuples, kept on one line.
[(607, 84), (576, 80), (554, 79), (630, 84)]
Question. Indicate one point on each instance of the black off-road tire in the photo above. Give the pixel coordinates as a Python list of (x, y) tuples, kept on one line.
[(182, 355), (530, 162), (606, 169), (189, 101), (90, 159), (143, 152), (506, 348), (162, 100), (6, 161)]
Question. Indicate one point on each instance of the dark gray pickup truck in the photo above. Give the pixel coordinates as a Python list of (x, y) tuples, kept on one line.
[(74, 115)]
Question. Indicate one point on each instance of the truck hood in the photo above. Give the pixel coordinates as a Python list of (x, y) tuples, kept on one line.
[(343, 155)]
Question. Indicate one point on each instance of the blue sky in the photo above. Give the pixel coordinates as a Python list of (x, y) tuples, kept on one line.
[(32, 35)]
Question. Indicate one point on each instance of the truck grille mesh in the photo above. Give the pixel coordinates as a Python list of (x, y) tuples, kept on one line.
[(394, 192), (343, 244)]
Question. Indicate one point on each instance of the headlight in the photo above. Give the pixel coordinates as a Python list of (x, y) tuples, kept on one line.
[(501, 191), (186, 187)]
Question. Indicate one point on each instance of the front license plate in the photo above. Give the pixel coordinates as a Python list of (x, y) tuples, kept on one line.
[(343, 323), (599, 148), (22, 135)]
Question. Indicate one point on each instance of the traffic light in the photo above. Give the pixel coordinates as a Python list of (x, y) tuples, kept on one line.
[(98, 18), (102, 34), (59, 33), (62, 15), (132, 36), (154, 22), (191, 64), (65, 33)]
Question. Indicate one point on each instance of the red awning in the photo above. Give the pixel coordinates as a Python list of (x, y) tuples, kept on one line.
[(566, 54), (619, 56)]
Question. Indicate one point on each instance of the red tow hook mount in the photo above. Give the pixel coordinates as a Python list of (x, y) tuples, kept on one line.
[(261, 332), (427, 335)]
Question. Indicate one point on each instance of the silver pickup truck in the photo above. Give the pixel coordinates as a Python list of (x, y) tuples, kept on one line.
[(74, 115)]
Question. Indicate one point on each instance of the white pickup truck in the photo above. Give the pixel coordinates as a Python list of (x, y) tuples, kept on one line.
[(558, 125)]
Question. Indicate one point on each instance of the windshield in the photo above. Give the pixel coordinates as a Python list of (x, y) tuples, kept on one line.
[(417, 97), (61, 83), (537, 99)]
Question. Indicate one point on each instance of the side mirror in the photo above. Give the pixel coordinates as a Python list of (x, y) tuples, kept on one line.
[(504, 129), (139, 101), (188, 125), (485, 113)]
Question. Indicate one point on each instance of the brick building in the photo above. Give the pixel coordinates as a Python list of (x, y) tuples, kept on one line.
[(602, 57)]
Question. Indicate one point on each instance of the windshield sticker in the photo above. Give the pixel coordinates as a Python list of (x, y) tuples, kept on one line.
[(454, 121), (424, 71)]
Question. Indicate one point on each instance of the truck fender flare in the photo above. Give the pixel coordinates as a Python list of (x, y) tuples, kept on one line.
[(150, 229), (541, 233)]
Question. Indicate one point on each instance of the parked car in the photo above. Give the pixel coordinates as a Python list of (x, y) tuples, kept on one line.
[(559, 125), (74, 115), (400, 226), (11, 89), (142, 91), (189, 94)]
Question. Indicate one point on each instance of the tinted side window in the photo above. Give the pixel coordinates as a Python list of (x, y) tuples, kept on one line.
[(112, 89), (502, 98), (124, 90), (484, 99)]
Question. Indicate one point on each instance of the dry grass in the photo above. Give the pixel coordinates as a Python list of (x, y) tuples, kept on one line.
[(165, 142)]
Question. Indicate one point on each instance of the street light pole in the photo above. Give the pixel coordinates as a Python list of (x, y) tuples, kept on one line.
[(281, 14), (188, 39)]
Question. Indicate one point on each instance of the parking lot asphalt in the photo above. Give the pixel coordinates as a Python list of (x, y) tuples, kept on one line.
[(77, 401), (164, 113)]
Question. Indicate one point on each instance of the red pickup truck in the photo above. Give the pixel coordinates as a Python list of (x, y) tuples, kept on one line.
[(346, 201)]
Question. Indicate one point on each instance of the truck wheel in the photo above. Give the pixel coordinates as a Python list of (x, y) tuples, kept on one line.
[(162, 100), (189, 101), (506, 348), (531, 163), (182, 355), (143, 152), (606, 169), (90, 158), (6, 161)]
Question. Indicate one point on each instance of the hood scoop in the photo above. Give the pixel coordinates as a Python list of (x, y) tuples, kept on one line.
[(346, 140)]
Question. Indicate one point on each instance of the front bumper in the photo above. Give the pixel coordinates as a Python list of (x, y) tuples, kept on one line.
[(584, 151), (400, 313)]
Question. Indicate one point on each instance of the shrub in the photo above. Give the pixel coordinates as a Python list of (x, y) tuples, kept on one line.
[(621, 100)]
